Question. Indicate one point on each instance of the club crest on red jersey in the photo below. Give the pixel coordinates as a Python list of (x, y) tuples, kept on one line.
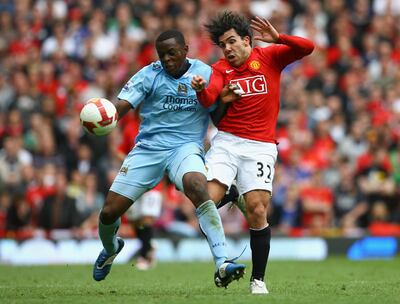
[(255, 65), (253, 85)]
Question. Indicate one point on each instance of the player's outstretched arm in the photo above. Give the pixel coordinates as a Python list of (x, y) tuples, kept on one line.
[(122, 107), (292, 47)]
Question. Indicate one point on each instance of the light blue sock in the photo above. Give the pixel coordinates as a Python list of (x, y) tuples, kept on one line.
[(211, 225), (108, 236)]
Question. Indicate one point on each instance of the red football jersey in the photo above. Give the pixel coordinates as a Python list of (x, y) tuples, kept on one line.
[(254, 115)]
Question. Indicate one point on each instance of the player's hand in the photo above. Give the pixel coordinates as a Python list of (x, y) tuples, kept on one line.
[(198, 83), (230, 92), (267, 33)]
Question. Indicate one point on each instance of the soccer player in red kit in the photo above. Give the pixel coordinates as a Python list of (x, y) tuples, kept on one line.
[(245, 146)]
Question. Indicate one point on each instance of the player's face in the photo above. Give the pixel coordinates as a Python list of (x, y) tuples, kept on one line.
[(235, 48), (172, 55)]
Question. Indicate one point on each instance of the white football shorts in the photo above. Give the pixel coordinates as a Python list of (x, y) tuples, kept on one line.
[(149, 204), (250, 162)]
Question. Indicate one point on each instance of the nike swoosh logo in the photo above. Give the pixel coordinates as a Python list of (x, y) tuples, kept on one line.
[(109, 261), (228, 71), (267, 182)]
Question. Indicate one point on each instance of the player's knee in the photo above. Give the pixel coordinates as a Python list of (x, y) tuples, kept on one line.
[(257, 216), (195, 185), (257, 210), (196, 189), (108, 215)]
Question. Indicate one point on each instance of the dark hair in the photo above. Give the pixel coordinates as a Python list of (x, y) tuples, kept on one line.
[(225, 21), (171, 34)]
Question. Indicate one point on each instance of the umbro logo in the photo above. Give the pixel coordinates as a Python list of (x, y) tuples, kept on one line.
[(127, 86)]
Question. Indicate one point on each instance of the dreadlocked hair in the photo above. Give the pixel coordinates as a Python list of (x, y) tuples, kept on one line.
[(225, 21)]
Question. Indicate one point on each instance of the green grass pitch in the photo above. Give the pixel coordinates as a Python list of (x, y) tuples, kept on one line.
[(335, 280)]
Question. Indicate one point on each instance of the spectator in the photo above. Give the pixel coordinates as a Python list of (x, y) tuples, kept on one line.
[(124, 23), (291, 211), (8, 32), (58, 210), (354, 144), (317, 205), (58, 43), (377, 184), (19, 214), (12, 160), (99, 44), (7, 92), (89, 202), (5, 202), (340, 107)]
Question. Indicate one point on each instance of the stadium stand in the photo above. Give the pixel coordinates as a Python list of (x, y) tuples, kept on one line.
[(338, 131)]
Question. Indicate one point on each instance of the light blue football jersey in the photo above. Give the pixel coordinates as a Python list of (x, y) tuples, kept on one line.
[(170, 112)]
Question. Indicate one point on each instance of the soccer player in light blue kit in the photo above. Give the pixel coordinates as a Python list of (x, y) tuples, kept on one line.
[(170, 140)]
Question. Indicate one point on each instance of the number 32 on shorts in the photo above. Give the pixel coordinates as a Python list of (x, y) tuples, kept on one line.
[(264, 171)]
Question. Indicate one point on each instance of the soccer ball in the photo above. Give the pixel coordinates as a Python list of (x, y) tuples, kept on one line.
[(99, 116)]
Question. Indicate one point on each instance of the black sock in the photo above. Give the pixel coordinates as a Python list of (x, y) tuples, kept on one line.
[(259, 244), (145, 234), (230, 196)]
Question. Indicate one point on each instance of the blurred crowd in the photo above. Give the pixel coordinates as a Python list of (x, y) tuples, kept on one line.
[(338, 172)]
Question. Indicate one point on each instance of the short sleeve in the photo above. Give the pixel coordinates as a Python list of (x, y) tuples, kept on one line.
[(136, 89)]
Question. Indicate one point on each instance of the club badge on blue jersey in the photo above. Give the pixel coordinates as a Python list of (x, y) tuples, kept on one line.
[(182, 89), (123, 171), (156, 66)]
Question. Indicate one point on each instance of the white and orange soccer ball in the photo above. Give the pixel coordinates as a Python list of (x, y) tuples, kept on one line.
[(99, 116)]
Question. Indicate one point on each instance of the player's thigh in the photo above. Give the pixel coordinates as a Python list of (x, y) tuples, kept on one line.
[(257, 167), (141, 171), (149, 204), (221, 161), (187, 158)]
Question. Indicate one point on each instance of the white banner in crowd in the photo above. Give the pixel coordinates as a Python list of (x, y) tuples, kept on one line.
[(41, 251)]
